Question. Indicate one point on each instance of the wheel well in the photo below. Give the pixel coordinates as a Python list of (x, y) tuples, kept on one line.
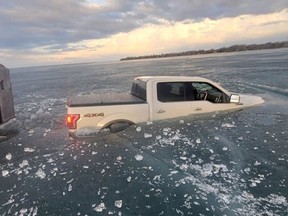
[(108, 125), (118, 125)]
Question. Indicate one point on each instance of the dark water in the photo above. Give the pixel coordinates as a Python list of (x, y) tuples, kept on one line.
[(231, 163)]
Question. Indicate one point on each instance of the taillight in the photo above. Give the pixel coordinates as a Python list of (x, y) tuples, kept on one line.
[(71, 120)]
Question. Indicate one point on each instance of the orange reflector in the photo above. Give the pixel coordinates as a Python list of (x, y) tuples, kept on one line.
[(71, 120)]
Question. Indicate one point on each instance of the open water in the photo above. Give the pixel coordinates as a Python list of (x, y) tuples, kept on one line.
[(233, 163)]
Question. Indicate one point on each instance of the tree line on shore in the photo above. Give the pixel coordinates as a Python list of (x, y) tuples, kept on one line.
[(234, 48)]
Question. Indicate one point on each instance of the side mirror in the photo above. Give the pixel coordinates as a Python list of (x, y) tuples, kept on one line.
[(234, 98)]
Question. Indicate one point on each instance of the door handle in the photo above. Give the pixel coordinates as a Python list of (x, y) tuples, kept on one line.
[(161, 111)]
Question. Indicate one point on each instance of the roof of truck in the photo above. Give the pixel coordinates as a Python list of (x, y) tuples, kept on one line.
[(172, 78)]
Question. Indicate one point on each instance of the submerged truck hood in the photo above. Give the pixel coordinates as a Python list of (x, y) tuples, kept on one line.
[(250, 100)]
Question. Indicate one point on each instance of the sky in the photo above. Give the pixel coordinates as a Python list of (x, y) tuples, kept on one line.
[(41, 32)]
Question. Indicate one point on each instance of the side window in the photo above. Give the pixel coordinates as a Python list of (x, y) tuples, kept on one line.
[(170, 91), (206, 91)]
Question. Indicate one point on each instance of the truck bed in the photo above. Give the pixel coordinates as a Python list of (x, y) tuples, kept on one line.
[(104, 100)]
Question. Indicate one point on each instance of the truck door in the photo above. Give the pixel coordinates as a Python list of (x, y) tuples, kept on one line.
[(170, 100)]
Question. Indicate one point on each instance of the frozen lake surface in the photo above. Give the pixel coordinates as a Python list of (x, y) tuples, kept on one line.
[(233, 163)]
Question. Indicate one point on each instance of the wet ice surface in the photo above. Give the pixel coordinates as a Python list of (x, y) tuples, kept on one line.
[(231, 163)]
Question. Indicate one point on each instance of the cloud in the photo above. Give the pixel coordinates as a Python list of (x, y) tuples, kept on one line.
[(31, 23), (57, 28)]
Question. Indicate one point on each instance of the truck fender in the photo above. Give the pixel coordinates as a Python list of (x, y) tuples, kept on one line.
[(116, 118)]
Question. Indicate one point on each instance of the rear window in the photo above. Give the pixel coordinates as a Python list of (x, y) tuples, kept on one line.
[(170, 91), (139, 89)]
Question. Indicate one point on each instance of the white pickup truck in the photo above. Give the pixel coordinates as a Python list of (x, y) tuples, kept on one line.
[(151, 98)]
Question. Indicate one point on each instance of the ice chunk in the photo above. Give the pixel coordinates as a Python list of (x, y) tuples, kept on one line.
[(198, 141), (70, 181), (139, 157), (9, 156), (40, 174), (100, 207), (138, 129), (24, 163), (118, 203), (225, 148), (23, 211), (70, 187), (240, 138), (146, 135), (228, 125), (29, 150), (31, 131), (8, 202), (129, 179), (5, 173)]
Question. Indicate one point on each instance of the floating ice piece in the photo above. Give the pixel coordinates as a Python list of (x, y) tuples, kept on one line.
[(146, 135), (198, 141), (157, 178), (24, 163), (9, 156), (5, 173), (174, 172), (70, 181), (129, 179), (224, 148), (138, 129), (184, 167), (8, 202), (119, 158), (118, 203), (23, 211), (29, 150), (149, 122), (40, 174), (228, 125), (70, 187), (100, 207), (139, 157), (31, 131)]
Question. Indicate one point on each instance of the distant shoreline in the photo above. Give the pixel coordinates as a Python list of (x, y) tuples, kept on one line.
[(233, 48)]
